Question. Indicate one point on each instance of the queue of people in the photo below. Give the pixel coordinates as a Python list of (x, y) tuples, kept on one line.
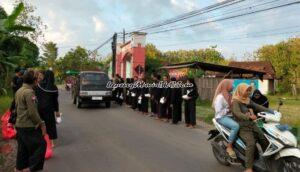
[(235, 111), (36, 107), (165, 102)]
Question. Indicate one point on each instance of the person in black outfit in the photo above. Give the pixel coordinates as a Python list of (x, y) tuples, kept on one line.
[(139, 96), (127, 93), (165, 110), (156, 97), (176, 102), (48, 107), (115, 90), (191, 95), (134, 91), (152, 101), (119, 90), (145, 100), (260, 99)]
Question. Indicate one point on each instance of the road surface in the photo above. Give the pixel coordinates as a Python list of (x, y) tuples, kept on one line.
[(122, 140)]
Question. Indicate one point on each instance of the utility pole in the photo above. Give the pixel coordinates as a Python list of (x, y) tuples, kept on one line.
[(123, 36), (114, 53)]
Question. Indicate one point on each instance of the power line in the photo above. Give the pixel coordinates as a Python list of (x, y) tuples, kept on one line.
[(227, 18), (101, 45), (158, 37), (230, 39), (190, 14), (230, 11)]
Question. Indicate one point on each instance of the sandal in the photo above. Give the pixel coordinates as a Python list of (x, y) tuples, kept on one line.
[(231, 153)]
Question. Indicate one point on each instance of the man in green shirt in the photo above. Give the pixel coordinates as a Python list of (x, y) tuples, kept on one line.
[(30, 127)]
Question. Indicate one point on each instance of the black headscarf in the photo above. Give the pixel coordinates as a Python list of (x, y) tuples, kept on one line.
[(48, 83), (262, 100)]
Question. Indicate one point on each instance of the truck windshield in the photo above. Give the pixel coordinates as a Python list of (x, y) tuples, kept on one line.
[(94, 79)]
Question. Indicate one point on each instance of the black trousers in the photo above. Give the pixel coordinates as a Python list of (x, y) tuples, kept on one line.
[(176, 113), (190, 112), (49, 117), (153, 106), (31, 149)]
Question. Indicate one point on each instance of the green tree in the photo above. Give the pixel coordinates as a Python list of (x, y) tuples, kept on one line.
[(50, 54), (285, 57), (28, 18), (14, 50)]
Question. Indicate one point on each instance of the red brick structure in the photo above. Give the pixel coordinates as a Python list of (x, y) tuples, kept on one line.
[(130, 59)]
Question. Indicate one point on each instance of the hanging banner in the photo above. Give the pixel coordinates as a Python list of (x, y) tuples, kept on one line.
[(178, 73)]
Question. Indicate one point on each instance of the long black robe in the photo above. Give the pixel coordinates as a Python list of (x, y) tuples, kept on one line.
[(145, 100), (152, 101), (127, 94), (176, 102), (47, 105), (190, 105), (139, 101), (165, 110), (156, 96), (119, 90), (134, 99)]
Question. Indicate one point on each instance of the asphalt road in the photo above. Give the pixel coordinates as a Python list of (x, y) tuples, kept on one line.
[(120, 139)]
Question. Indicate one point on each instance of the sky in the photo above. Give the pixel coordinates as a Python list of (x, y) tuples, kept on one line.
[(88, 23)]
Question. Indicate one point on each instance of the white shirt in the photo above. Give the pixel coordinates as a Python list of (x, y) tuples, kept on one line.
[(221, 107)]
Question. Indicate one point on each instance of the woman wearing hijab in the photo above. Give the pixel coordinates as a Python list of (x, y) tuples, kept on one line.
[(190, 97), (47, 96), (222, 105), (242, 107), (260, 99)]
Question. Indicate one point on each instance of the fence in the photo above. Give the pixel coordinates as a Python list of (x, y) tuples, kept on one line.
[(207, 87)]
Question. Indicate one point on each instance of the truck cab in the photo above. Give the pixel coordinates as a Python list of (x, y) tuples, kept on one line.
[(90, 88)]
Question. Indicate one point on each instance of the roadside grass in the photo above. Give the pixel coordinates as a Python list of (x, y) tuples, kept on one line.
[(5, 102), (290, 111)]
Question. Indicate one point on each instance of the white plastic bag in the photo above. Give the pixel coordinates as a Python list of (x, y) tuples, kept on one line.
[(59, 119), (162, 100), (147, 95), (185, 97)]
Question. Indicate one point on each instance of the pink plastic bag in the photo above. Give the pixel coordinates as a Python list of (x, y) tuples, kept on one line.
[(8, 131), (49, 152)]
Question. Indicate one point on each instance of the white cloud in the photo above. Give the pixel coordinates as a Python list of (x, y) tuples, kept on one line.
[(98, 24), (186, 5), (7, 5), (62, 34)]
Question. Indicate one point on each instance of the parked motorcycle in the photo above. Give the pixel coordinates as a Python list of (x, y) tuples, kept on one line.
[(282, 154)]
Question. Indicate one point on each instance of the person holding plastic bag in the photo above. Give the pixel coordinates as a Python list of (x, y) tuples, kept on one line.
[(30, 128), (190, 96), (48, 107)]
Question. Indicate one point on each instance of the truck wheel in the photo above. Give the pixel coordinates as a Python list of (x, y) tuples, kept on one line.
[(78, 103), (107, 104)]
